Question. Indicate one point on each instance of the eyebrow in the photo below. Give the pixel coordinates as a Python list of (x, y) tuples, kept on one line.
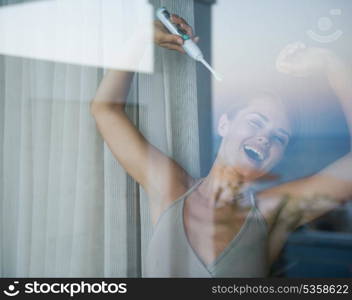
[(262, 116), (265, 118), (284, 132)]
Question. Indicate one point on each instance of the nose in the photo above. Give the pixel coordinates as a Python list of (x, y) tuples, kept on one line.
[(264, 141)]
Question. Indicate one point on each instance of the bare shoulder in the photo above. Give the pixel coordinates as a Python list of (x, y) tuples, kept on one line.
[(267, 207), (173, 189), (270, 205), (177, 188), (298, 202)]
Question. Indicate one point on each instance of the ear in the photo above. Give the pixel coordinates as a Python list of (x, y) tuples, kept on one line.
[(223, 125)]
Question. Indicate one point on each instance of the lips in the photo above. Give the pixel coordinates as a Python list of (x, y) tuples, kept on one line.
[(255, 153)]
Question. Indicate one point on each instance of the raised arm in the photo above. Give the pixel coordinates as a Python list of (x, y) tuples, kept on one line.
[(313, 196), (301, 61), (295, 203), (340, 78), (161, 177)]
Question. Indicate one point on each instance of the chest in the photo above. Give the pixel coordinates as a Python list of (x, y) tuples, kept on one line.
[(209, 232)]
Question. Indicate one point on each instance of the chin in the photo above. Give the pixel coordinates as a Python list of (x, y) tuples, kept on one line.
[(249, 173)]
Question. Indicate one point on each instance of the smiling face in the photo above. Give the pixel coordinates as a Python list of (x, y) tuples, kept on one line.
[(255, 139)]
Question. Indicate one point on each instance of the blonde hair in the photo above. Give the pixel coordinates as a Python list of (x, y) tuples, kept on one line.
[(255, 96)]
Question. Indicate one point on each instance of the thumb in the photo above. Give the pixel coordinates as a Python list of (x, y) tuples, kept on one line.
[(284, 67), (195, 39)]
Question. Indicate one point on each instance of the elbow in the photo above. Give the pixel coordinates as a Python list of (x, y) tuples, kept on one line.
[(93, 108), (99, 107)]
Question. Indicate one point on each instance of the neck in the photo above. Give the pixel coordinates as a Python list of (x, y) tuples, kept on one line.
[(223, 186)]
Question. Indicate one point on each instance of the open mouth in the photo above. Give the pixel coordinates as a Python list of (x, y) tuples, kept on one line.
[(254, 154)]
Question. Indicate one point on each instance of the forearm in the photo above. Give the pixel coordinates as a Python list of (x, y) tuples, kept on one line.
[(112, 91), (340, 78)]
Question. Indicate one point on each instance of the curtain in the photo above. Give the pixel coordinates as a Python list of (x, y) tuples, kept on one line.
[(67, 209)]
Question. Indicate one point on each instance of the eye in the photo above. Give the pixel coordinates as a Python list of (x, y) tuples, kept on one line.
[(255, 123), (280, 139)]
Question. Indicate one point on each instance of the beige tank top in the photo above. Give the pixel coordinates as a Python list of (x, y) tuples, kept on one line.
[(169, 253)]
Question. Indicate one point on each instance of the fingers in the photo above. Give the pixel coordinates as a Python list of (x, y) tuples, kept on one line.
[(172, 38), (165, 39), (172, 46), (217, 196), (283, 63), (283, 67), (269, 177), (291, 49), (172, 42), (182, 24), (290, 68), (195, 39)]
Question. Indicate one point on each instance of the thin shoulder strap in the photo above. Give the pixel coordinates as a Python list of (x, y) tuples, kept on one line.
[(252, 198), (190, 190), (176, 202), (256, 210), (198, 182)]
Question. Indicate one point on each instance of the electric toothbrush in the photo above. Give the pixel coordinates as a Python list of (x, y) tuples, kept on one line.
[(190, 47)]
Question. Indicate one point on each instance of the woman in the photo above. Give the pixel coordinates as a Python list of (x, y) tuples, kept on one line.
[(216, 226)]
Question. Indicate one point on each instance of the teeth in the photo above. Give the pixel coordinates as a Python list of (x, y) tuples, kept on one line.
[(260, 154)]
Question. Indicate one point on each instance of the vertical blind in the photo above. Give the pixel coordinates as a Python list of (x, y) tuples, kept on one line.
[(67, 209)]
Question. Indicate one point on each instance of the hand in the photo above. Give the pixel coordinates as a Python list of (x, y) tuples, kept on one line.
[(163, 38), (298, 60)]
